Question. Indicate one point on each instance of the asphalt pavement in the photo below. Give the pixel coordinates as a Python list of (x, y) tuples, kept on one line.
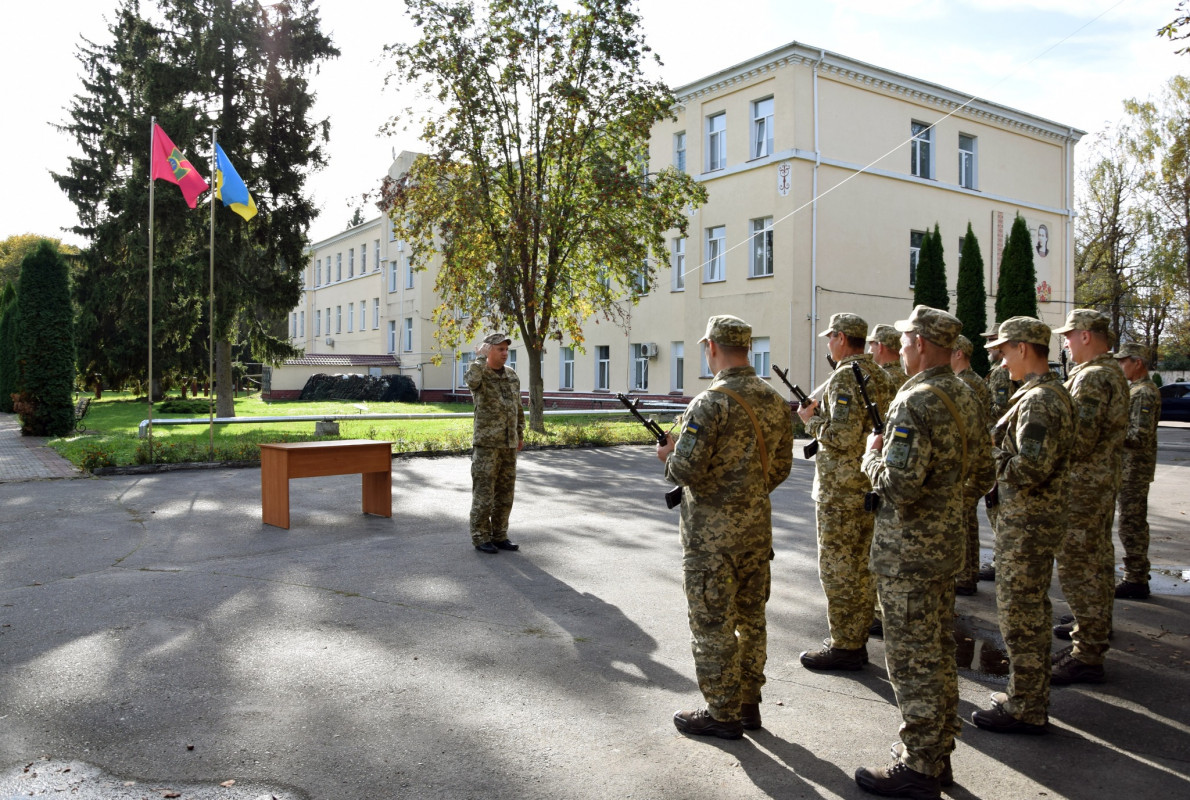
[(157, 640)]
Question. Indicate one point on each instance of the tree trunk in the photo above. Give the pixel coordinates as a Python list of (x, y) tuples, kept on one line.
[(224, 390), (536, 398)]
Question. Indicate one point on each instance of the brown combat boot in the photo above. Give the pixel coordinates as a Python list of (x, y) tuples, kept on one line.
[(701, 723), (897, 780), (750, 716), (835, 658)]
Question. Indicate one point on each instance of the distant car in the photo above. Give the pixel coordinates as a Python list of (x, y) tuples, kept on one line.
[(1175, 402)]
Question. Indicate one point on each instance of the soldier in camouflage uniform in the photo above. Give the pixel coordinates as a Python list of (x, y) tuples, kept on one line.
[(499, 432), (885, 347), (735, 448), (960, 361), (932, 447), (1002, 388), (1032, 448), (1137, 470), (1086, 558), (844, 528)]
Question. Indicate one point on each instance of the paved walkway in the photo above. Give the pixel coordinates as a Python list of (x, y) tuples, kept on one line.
[(26, 458)]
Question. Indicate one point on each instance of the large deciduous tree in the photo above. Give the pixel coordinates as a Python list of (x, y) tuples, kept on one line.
[(929, 288), (14, 249), (45, 343), (971, 303), (1016, 289), (241, 68), (537, 191)]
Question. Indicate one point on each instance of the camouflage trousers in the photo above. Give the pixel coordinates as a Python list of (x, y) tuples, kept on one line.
[(493, 481), (919, 652), (1086, 569), (725, 595), (1024, 571), (1134, 527), (969, 572), (844, 547)]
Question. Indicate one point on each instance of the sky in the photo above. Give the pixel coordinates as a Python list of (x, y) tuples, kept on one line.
[(1070, 61)]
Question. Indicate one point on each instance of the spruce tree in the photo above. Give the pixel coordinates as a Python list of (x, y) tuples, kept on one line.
[(971, 304), (1016, 291), (930, 286), (8, 343), (45, 343)]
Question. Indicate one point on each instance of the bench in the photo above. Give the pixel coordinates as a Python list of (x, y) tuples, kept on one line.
[(80, 411), (280, 462)]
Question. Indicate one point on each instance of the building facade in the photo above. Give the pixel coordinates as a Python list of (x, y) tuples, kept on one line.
[(822, 173)]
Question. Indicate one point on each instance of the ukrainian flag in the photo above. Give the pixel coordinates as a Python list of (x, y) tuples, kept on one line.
[(230, 188)]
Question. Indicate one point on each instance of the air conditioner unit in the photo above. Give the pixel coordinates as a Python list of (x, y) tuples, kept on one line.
[(649, 350), (330, 342)]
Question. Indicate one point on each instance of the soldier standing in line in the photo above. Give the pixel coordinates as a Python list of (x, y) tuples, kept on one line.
[(1137, 470), (1032, 448), (1002, 387), (735, 448), (960, 361), (844, 528), (1086, 557), (499, 433), (885, 347), (932, 447)]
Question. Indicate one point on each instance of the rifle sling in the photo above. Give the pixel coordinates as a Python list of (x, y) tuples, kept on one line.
[(734, 395)]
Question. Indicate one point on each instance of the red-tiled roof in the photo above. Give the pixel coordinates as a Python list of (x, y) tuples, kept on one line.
[(342, 360)]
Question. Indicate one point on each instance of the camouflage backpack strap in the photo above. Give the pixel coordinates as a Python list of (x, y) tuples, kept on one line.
[(734, 395), (958, 421), (1053, 387)]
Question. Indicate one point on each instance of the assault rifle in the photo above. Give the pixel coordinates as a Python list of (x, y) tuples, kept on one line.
[(803, 400), (674, 496), (871, 499)]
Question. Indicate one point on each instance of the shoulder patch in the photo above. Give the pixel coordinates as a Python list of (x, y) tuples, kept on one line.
[(688, 439), (897, 452), (1088, 407), (1032, 437), (842, 408)]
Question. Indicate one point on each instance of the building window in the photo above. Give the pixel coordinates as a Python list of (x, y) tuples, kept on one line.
[(318, 273), (351, 263), (704, 368), (376, 254), (640, 282), (338, 266), (302, 323), (566, 379), (603, 367), (915, 238), (408, 272), (328, 320), (338, 319), (375, 313), (920, 161), (363, 315), (363, 259), (392, 336), (716, 248), (762, 128), (761, 264), (967, 162), (317, 322), (678, 363), (392, 276), (680, 151), (716, 142), (350, 317), (760, 356), (408, 334), (640, 368), (511, 362), (678, 264), (293, 325)]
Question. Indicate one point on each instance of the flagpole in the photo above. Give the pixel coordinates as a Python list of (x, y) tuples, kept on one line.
[(152, 157), (211, 341)]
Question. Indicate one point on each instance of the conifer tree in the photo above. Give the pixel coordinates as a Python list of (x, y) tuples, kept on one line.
[(971, 304), (929, 289), (45, 343), (8, 343), (1016, 290)]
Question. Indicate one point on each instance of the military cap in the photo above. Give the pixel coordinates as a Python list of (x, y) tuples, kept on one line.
[(886, 335), (964, 344), (497, 338), (1021, 329), (935, 325), (728, 331), (1086, 319), (848, 325), (1133, 350)]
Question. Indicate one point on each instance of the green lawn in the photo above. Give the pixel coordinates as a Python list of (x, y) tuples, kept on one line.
[(111, 437)]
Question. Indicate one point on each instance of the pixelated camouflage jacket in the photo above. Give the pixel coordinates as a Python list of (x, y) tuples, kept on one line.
[(983, 399), (1032, 452), (841, 425), (1140, 441), (1100, 393), (897, 373), (499, 415), (725, 502), (1002, 387), (919, 474)]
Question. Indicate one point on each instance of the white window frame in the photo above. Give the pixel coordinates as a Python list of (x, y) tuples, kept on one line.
[(511, 362), (318, 272), (914, 255), (302, 324), (603, 367), (680, 151), (351, 262), (293, 325), (392, 275), (338, 267), (408, 342), (761, 357), (704, 367), (677, 361), (338, 319), (716, 141), (762, 128), (408, 272), (566, 368), (317, 322), (350, 317), (376, 254), (716, 269), (639, 375), (969, 162), (375, 313), (678, 264), (921, 161), (760, 250), (363, 259), (392, 336)]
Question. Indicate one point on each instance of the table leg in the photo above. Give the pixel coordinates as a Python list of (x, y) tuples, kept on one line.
[(274, 488), (378, 493)]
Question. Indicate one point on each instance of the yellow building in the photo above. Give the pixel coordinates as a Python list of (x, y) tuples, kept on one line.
[(823, 173)]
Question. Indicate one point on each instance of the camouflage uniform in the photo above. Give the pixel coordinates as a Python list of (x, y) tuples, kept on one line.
[(727, 531), (844, 528), (1001, 387), (969, 574), (1031, 453), (499, 428), (896, 372), (1139, 465), (1086, 558), (917, 548)]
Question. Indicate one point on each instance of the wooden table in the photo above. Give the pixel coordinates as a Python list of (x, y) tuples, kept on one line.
[(280, 462)]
